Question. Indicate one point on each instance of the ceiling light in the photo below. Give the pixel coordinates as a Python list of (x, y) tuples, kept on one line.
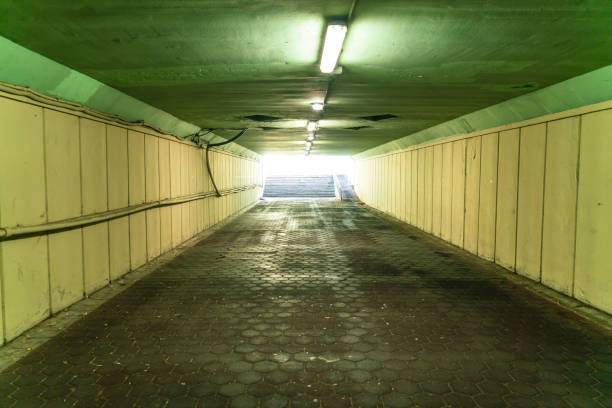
[(317, 106), (334, 38), (312, 126), (311, 136)]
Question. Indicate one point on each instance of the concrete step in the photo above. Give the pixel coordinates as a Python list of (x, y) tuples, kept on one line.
[(299, 186)]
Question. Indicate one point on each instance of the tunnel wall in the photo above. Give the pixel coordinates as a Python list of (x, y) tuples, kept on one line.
[(534, 197), (61, 166)]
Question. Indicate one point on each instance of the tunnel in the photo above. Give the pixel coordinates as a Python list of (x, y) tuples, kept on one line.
[(314, 203)]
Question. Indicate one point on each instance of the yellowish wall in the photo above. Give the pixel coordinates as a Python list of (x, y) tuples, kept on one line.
[(57, 164), (535, 197)]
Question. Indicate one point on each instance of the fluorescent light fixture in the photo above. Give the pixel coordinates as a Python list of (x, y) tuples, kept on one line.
[(312, 125), (317, 106), (334, 38), (311, 136)]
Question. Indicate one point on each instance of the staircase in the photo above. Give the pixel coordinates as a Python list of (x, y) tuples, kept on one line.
[(299, 186)]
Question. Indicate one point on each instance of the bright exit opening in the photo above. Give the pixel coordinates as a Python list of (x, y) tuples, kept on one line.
[(308, 176)]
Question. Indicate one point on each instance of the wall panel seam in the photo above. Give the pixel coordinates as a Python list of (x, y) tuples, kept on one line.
[(79, 122), (2, 295), (129, 221), (479, 195), (518, 184), (431, 184), (543, 198), (108, 236), (496, 197), (465, 165), (45, 180), (577, 175), (441, 188), (146, 219), (159, 169), (450, 208), (2, 291), (418, 177)]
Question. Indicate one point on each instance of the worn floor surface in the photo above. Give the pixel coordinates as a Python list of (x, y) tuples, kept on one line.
[(316, 303)]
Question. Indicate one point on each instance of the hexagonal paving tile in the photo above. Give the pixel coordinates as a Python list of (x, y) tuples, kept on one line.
[(310, 304)]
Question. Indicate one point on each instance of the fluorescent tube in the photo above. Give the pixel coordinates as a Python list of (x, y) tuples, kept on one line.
[(312, 126), (317, 106), (334, 38)]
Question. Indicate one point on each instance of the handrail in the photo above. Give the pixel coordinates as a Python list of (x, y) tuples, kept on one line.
[(337, 187), (17, 231)]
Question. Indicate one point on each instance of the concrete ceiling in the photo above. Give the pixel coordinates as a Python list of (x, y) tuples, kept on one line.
[(215, 63)]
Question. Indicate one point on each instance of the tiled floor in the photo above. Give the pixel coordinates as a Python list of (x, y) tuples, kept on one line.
[(318, 303)]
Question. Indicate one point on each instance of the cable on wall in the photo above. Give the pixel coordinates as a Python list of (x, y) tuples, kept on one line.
[(208, 146)]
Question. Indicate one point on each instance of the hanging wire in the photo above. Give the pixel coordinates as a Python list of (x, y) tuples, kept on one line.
[(208, 146)]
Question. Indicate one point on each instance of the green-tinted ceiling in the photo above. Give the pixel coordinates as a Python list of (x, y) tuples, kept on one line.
[(421, 62)]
